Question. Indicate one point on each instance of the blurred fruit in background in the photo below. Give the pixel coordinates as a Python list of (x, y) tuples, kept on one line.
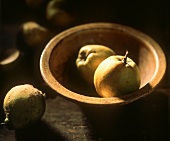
[(59, 13), (35, 35)]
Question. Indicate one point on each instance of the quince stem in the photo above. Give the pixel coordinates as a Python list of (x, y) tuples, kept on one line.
[(125, 57)]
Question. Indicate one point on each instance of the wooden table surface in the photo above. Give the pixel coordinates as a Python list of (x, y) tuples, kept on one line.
[(144, 120)]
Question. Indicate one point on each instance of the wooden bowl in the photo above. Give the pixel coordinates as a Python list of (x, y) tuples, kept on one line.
[(58, 68)]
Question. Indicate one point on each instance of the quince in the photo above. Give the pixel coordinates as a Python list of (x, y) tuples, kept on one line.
[(117, 76), (89, 57)]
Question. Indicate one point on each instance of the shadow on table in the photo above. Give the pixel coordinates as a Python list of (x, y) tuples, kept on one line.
[(41, 131), (144, 120)]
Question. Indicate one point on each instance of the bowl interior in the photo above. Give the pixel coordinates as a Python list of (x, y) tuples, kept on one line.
[(63, 50)]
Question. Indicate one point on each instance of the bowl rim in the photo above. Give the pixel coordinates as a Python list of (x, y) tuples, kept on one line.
[(145, 90)]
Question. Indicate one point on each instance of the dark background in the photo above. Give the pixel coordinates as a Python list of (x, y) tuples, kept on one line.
[(146, 119)]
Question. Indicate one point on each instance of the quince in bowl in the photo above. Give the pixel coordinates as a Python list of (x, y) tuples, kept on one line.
[(58, 67)]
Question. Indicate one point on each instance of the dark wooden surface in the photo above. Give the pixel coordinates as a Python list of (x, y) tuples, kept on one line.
[(143, 120), (146, 119)]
